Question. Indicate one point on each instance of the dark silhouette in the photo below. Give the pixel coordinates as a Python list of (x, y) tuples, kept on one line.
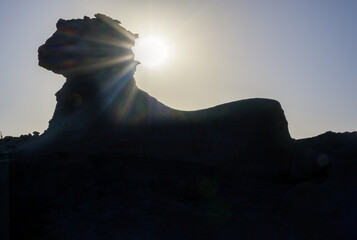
[(115, 163)]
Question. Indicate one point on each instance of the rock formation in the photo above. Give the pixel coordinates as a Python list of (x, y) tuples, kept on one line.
[(100, 100), (115, 163)]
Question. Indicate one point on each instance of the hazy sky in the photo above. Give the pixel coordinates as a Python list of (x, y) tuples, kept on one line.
[(302, 53)]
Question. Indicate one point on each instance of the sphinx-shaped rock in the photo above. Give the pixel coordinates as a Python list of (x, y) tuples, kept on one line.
[(100, 106)]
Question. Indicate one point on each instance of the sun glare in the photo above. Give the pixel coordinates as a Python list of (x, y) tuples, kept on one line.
[(151, 52)]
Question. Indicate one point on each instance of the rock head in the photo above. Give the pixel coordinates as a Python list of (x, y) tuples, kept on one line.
[(95, 55), (86, 46)]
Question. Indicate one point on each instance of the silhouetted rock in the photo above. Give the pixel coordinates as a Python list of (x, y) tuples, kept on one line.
[(326, 192), (100, 100), (115, 163), (84, 46)]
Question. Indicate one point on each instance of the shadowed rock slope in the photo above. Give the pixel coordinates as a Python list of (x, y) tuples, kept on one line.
[(115, 163)]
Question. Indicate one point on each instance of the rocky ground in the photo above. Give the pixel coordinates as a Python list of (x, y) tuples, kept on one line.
[(111, 195)]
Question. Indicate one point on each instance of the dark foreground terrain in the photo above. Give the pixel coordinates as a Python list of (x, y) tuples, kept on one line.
[(117, 194), (117, 164)]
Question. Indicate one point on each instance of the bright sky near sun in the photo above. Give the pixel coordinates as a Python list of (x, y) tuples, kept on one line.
[(301, 53), (151, 51)]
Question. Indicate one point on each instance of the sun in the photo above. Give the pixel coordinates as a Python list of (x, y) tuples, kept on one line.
[(151, 51)]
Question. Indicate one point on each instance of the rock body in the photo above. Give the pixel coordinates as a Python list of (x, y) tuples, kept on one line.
[(100, 106), (115, 163)]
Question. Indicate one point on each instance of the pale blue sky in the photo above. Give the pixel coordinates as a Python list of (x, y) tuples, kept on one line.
[(301, 53)]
